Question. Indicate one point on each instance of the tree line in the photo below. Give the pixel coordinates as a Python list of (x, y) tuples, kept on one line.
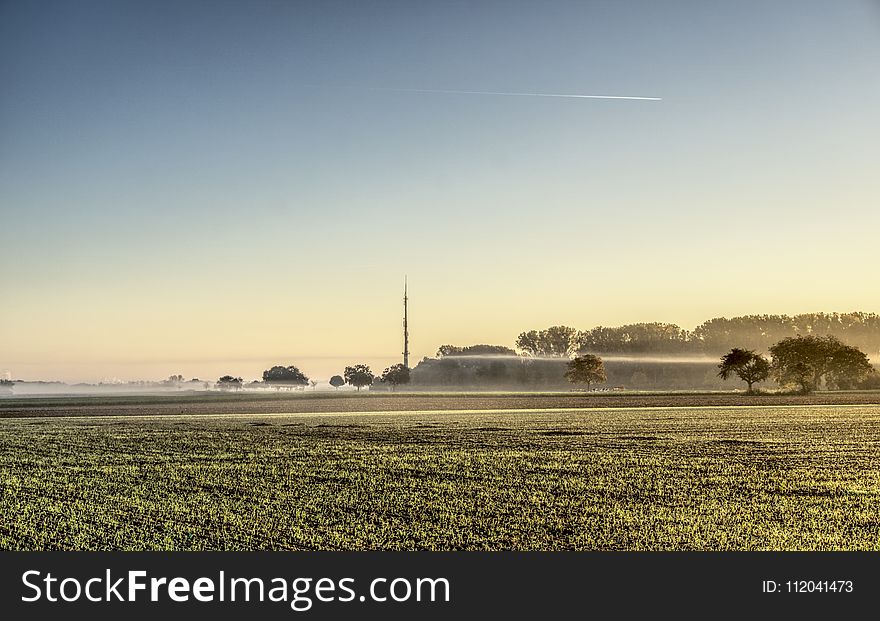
[(358, 375), (752, 332), (801, 362), (746, 339), (805, 362), (514, 372)]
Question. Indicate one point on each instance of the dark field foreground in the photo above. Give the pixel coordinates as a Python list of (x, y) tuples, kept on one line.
[(785, 478), (329, 402)]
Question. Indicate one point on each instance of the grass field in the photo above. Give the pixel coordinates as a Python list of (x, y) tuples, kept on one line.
[(719, 478), (309, 402)]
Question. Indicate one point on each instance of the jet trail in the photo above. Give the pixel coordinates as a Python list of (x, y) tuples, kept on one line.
[(512, 94)]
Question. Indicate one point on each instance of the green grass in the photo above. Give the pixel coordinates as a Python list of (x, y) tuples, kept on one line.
[(798, 478)]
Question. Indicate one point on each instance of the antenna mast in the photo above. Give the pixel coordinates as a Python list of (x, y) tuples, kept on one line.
[(405, 328)]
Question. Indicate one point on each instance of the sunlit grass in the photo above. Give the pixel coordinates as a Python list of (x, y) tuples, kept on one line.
[(800, 478)]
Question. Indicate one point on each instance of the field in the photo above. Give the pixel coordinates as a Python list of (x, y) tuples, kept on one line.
[(782, 477), (309, 402)]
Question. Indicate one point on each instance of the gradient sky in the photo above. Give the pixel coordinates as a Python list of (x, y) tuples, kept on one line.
[(215, 187)]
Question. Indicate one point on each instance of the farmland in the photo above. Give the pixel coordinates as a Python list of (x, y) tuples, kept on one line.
[(309, 402), (788, 477)]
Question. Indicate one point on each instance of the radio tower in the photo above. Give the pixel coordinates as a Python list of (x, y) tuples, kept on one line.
[(405, 329)]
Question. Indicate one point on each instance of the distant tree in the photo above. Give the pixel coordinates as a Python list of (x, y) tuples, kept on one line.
[(174, 379), (358, 375), (799, 361), (759, 332), (448, 350), (872, 382), (556, 341), (754, 332), (804, 361), (746, 365), (474, 350), (396, 375), (848, 369), (227, 382), (587, 369), (661, 338), (285, 376), (336, 381), (528, 343)]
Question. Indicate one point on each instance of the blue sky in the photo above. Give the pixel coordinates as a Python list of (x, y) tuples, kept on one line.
[(201, 185)]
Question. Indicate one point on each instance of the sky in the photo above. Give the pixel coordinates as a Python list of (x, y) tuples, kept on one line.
[(217, 187)]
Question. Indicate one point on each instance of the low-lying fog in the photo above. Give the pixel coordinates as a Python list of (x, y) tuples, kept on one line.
[(37, 388)]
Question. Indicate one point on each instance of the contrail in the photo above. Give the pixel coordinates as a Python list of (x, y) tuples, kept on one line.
[(512, 94)]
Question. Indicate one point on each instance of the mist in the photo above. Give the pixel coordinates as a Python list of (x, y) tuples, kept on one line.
[(657, 359)]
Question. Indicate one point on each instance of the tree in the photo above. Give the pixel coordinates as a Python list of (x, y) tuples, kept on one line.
[(805, 360), (587, 369), (746, 365), (474, 350), (396, 375), (528, 342), (800, 361), (759, 332), (556, 341), (358, 375), (849, 367), (227, 382), (449, 350), (336, 381), (664, 338), (285, 376), (313, 384)]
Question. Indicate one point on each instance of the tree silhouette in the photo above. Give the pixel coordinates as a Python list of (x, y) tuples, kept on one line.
[(746, 365), (285, 376), (587, 369), (358, 375), (556, 341), (227, 382), (396, 375), (474, 350), (805, 360)]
